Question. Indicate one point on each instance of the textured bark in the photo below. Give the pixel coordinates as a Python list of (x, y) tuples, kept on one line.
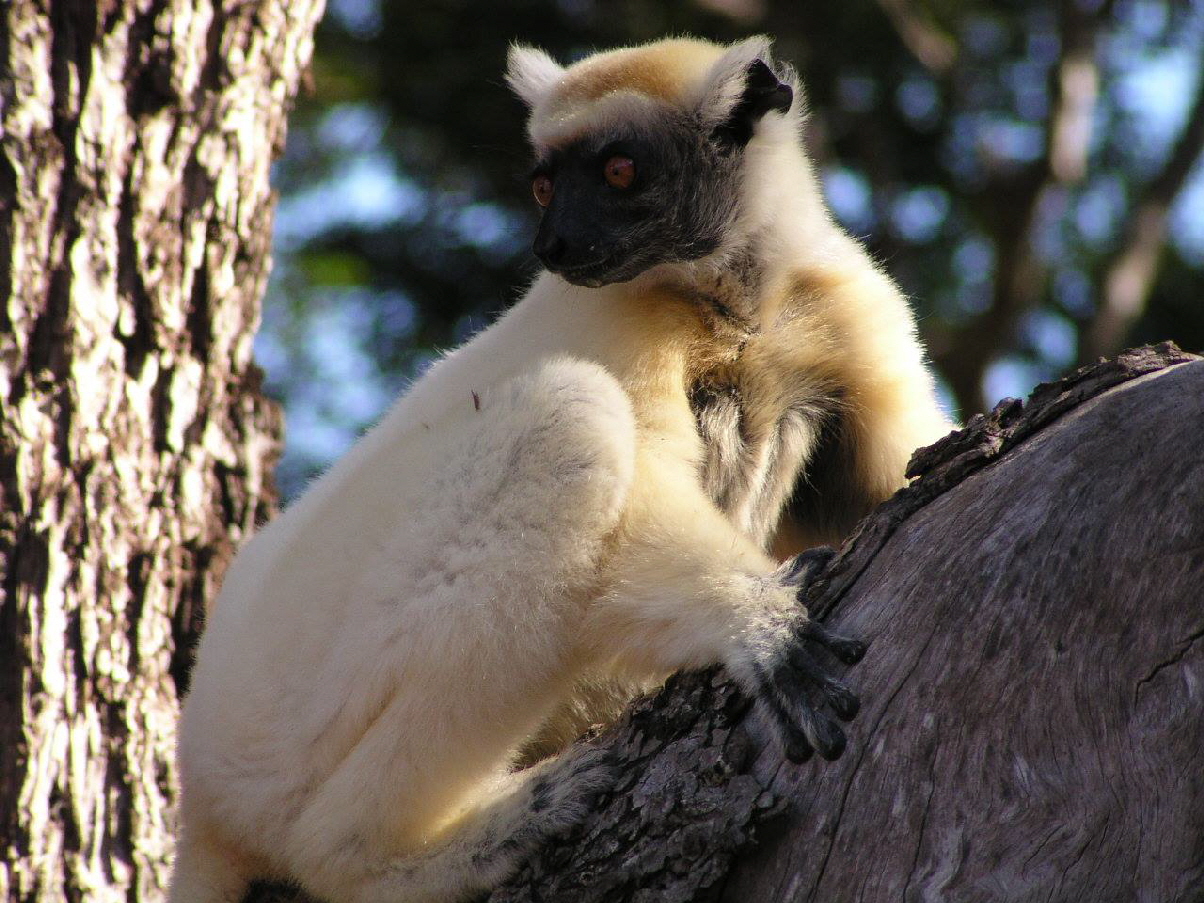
[(135, 448)]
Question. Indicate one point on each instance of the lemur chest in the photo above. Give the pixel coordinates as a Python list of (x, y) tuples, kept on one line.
[(758, 429)]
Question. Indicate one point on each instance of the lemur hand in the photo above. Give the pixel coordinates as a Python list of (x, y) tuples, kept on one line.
[(789, 674)]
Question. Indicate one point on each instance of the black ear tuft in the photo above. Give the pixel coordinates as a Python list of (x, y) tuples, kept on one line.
[(763, 92)]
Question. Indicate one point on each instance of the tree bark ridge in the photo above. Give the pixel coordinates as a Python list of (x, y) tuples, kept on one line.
[(135, 446)]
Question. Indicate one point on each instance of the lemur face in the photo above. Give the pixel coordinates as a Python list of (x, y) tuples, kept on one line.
[(616, 204), (640, 151)]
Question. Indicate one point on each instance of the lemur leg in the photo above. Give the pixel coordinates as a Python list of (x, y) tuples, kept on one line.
[(205, 871), (595, 699), (690, 590), (515, 816), (421, 809)]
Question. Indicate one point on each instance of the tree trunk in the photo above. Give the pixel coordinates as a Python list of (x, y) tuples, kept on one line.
[(1033, 711), (135, 448)]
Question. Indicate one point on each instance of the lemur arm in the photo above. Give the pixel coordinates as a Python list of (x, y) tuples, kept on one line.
[(884, 404), (688, 590)]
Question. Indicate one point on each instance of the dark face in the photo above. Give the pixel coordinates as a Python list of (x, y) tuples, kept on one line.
[(616, 205)]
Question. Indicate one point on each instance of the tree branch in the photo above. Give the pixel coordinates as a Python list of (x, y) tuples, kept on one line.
[(932, 47), (1016, 205)]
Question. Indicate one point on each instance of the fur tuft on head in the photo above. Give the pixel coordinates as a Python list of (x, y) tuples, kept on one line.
[(531, 73), (726, 89)]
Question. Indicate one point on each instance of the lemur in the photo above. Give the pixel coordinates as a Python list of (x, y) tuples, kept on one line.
[(598, 490)]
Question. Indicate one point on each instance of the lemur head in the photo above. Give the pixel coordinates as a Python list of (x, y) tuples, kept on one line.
[(640, 150)]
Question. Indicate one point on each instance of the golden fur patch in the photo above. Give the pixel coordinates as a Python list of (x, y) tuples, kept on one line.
[(668, 71)]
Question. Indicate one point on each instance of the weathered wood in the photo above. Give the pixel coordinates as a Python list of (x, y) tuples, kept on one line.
[(135, 448), (1033, 701)]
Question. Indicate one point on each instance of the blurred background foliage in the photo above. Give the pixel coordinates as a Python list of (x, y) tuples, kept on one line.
[(1028, 171)]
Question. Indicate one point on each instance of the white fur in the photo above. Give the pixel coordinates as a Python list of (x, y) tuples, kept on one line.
[(531, 73), (527, 521)]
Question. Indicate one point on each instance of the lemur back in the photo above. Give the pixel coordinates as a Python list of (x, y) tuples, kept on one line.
[(596, 491)]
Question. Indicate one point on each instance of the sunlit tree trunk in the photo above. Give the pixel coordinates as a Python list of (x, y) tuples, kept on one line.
[(135, 446)]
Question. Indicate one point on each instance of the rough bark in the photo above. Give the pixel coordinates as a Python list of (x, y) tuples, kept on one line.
[(135, 448), (1032, 718)]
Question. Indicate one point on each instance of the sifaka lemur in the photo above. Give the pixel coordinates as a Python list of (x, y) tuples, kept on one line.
[(708, 377)]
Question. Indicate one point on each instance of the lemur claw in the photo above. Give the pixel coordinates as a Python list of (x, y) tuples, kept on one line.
[(803, 700), (846, 649), (802, 569)]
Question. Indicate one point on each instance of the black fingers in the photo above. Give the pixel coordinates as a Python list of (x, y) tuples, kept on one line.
[(789, 688), (830, 739), (848, 650), (782, 707), (803, 568), (803, 699), (844, 702), (801, 727), (841, 699)]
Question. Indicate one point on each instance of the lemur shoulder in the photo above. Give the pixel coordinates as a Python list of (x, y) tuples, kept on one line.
[(599, 489)]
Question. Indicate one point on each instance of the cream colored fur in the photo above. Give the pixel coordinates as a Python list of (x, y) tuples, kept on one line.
[(525, 539)]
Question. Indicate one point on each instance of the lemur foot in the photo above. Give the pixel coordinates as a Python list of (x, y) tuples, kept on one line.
[(793, 683), (560, 796)]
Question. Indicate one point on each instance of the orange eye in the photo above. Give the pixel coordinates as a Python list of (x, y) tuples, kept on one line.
[(619, 172), (541, 185)]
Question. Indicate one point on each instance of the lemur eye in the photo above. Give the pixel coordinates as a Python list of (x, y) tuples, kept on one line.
[(541, 185), (619, 172)]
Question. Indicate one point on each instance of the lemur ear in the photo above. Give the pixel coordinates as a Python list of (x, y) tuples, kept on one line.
[(763, 92), (531, 73), (743, 85)]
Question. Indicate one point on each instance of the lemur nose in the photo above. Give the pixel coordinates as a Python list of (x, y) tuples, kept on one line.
[(549, 247)]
